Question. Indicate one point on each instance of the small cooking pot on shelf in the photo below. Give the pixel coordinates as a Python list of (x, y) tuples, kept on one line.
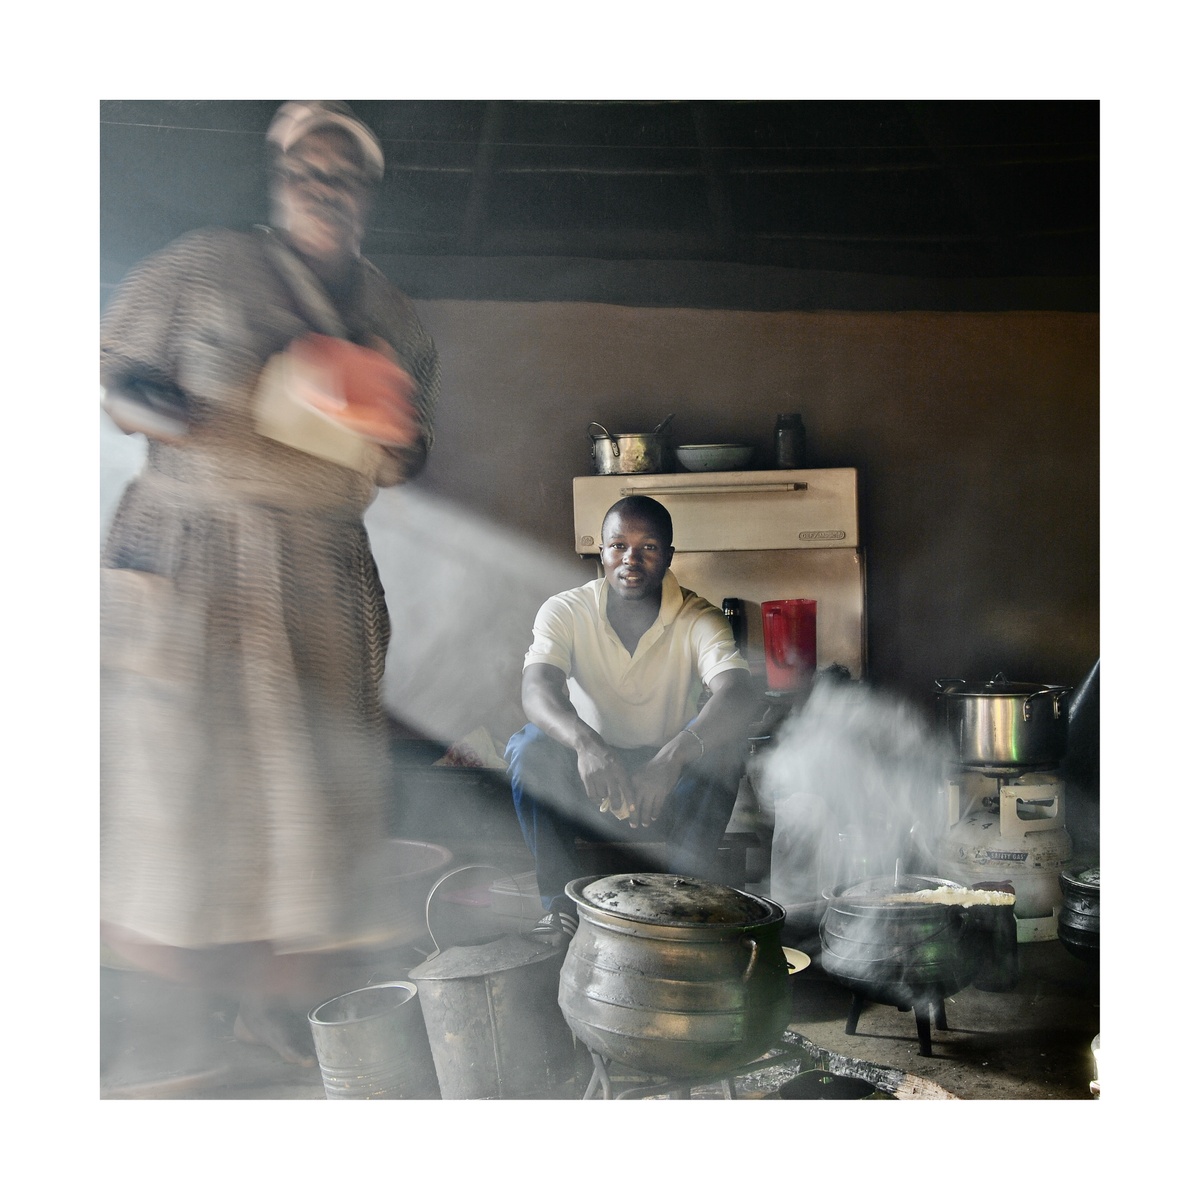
[(630, 453), (1003, 725)]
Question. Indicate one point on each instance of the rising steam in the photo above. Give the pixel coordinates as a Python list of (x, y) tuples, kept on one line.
[(853, 779)]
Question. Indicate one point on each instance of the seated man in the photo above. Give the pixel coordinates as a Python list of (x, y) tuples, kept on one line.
[(617, 736)]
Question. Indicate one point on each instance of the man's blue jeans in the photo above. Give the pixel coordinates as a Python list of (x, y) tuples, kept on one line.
[(553, 809)]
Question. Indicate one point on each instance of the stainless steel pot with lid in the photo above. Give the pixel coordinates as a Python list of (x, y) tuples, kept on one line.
[(674, 975), (1003, 725)]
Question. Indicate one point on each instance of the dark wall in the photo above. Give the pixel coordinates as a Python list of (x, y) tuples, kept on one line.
[(976, 436)]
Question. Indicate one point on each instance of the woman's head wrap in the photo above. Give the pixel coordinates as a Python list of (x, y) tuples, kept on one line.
[(298, 118)]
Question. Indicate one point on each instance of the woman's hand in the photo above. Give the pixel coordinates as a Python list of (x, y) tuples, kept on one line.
[(159, 412), (362, 388)]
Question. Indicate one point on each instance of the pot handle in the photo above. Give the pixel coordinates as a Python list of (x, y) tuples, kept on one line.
[(749, 941), (941, 683), (1057, 692), (592, 438)]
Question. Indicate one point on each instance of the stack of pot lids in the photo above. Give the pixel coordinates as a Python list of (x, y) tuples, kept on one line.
[(676, 900)]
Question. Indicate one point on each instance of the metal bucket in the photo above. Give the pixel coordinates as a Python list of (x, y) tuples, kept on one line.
[(371, 1045), (494, 1025)]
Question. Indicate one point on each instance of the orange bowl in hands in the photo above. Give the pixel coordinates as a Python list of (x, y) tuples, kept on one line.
[(358, 388)]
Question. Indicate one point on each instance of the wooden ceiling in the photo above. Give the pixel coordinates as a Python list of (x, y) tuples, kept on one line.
[(482, 195)]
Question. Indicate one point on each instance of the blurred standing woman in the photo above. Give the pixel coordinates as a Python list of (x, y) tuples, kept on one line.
[(280, 379)]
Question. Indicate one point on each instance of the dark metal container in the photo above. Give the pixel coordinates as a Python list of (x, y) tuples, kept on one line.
[(494, 1026), (790, 442), (993, 933), (371, 1045), (1079, 916), (1003, 725), (821, 1085), (897, 953), (674, 975)]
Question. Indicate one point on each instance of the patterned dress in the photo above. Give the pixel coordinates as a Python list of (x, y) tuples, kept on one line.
[(244, 769)]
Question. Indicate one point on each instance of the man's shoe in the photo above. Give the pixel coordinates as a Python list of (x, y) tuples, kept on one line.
[(558, 920)]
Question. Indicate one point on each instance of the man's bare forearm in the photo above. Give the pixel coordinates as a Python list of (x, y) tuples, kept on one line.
[(727, 715), (546, 704)]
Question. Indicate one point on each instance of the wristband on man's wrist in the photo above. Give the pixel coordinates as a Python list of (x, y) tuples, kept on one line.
[(689, 729)]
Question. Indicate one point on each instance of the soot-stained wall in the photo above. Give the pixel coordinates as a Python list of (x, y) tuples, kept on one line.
[(976, 436)]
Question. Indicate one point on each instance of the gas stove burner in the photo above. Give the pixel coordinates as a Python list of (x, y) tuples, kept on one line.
[(1026, 808), (996, 781), (995, 772), (1006, 773)]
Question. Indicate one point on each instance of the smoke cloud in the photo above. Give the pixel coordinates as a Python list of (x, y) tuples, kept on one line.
[(854, 780)]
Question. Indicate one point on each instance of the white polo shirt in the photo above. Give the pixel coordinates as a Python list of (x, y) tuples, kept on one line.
[(646, 698)]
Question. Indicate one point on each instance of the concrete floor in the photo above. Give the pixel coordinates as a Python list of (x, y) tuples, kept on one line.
[(164, 1042), (1033, 1042), (159, 1041)]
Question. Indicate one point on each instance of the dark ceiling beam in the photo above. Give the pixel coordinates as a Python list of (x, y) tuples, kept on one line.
[(744, 287), (625, 243), (720, 207), (858, 188), (915, 238), (482, 177), (974, 199), (631, 243), (730, 170)]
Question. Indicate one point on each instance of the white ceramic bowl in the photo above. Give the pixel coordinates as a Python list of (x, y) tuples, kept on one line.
[(715, 456)]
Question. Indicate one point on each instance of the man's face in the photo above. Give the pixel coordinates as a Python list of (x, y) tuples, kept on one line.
[(320, 198), (635, 556)]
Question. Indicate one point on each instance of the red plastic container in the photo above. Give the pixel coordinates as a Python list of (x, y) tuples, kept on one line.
[(789, 643)]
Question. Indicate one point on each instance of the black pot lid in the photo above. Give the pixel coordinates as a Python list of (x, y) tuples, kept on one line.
[(676, 900), (1085, 877)]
